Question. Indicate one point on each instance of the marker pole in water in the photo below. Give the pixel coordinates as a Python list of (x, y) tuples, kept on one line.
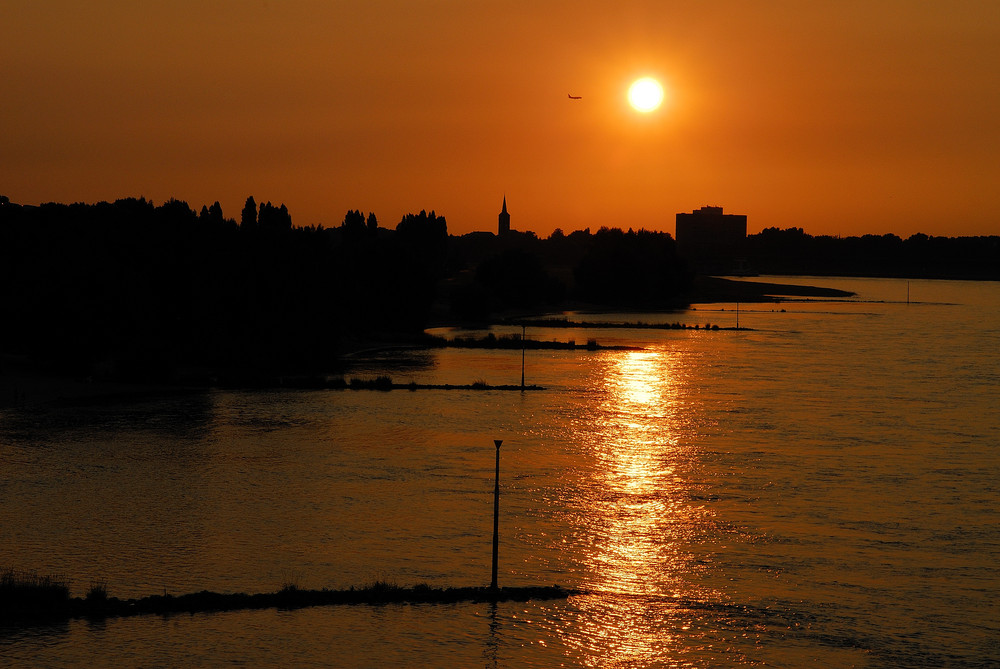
[(522, 360), (496, 516)]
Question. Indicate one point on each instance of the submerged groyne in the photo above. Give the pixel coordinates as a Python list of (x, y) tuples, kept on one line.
[(29, 610)]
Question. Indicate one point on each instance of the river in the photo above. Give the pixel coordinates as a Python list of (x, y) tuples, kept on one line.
[(821, 488)]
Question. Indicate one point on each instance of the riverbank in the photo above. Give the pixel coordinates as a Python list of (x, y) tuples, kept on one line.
[(24, 387), (40, 606), (21, 386), (713, 289), (613, 325)]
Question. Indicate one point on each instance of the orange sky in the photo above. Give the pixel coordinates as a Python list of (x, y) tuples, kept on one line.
[(838, 116)]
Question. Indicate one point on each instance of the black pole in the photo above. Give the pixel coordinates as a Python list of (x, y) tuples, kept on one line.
[(522, 360), (496, 516)]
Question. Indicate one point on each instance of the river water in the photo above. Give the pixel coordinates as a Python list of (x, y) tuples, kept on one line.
[(822, 489)]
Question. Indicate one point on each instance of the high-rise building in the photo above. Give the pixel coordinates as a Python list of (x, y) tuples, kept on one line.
[(711, 240)]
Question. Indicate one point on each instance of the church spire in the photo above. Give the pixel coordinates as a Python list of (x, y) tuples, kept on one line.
[(503, 223)]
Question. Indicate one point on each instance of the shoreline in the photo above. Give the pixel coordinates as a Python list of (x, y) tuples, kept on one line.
[(21, 385), (27, 611), (715, 289)]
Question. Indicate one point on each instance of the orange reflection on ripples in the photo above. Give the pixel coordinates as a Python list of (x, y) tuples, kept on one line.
[(640, 514)]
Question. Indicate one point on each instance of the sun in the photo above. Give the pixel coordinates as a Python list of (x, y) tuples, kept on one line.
[(645, 94)]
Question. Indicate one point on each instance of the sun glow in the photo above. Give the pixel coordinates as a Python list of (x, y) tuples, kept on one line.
[(645, 94)]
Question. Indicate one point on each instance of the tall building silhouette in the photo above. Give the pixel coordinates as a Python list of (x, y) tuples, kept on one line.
[(503, 223), (711, 240)]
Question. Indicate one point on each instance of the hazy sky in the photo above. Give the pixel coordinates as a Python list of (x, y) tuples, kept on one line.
[(841, 116)]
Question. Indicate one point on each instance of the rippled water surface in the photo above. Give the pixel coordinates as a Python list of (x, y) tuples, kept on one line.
[(822, 489)]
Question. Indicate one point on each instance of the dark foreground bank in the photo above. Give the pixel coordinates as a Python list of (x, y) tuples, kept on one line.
[(46, 609)]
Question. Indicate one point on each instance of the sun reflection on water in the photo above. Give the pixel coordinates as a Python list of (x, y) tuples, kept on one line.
[(640, 513)]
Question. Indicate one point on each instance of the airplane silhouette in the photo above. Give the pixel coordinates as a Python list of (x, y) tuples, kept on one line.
[(574, 97)]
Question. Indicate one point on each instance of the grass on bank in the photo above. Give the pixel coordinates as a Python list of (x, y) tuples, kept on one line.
[(28, 598), (31, 593)]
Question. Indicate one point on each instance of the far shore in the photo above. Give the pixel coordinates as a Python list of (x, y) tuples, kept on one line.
[(21, 385), (713, 289)]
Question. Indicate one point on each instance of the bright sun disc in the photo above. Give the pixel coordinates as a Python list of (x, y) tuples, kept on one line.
[(645, 94)]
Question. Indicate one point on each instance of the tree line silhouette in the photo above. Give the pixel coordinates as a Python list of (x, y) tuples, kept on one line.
[(793, 251), (134, 290), (519, 271)]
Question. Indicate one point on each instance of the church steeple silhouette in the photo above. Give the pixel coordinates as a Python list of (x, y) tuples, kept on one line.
[(503, 223)]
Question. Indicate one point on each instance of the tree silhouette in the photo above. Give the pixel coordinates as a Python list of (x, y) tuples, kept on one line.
[(353, 223), (425, 236), (248, 217), (273, 218), (215, 214), (630, 268)]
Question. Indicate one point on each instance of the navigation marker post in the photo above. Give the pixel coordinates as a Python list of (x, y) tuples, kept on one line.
[(496, 516), (522, 360)]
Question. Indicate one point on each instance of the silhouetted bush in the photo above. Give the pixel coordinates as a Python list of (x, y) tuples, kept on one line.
[(98, 592), (28, 594)]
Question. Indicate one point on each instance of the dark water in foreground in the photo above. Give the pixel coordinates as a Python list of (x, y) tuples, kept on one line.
[(823, 490)]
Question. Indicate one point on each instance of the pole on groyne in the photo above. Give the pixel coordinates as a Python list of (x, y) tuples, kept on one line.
[(496, 516), (522, 360)]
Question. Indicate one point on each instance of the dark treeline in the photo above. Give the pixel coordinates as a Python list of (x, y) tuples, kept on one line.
[(793, 251), (132, 290), (520, 272), (136, 291)]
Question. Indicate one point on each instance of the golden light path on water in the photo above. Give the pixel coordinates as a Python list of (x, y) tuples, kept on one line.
[(640, 509)]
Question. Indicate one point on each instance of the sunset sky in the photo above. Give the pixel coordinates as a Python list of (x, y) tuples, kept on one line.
[(841, 117)]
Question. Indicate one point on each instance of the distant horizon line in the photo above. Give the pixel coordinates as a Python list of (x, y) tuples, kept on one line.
[(5, 200)]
